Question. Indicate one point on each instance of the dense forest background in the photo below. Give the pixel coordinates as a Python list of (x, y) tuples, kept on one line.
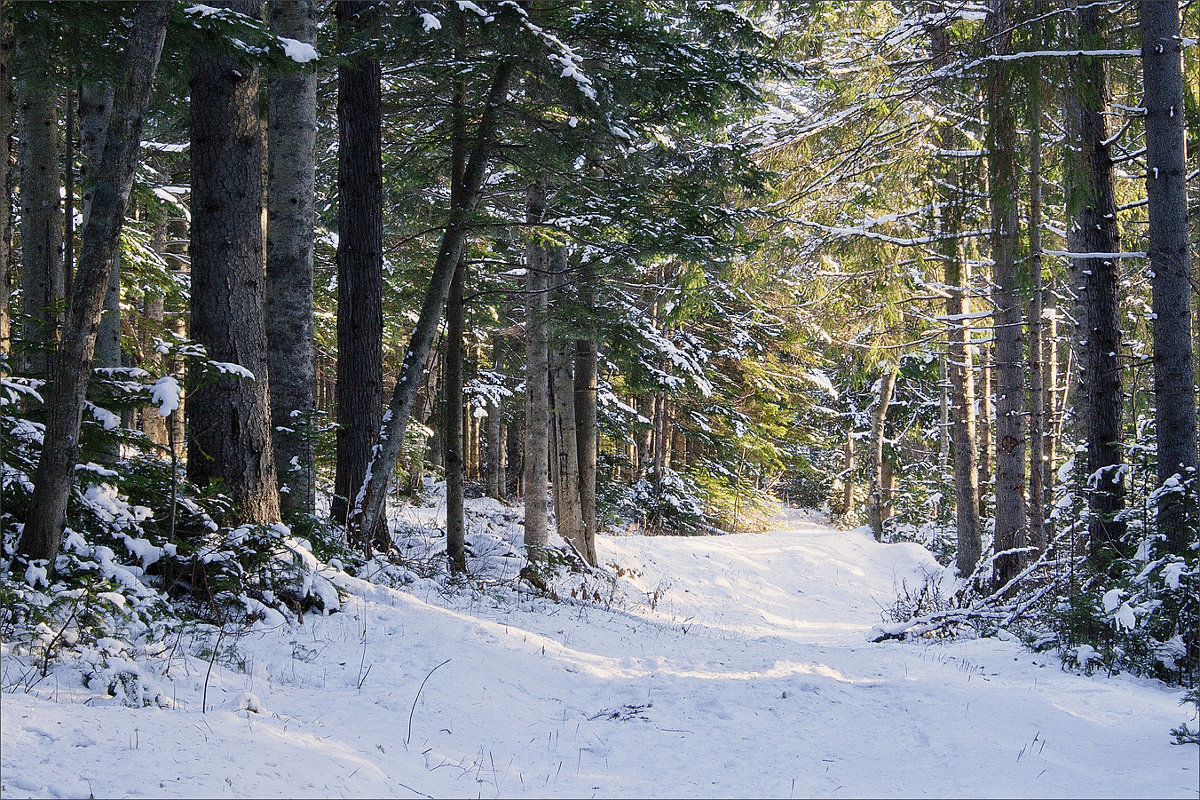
[(928, 266)]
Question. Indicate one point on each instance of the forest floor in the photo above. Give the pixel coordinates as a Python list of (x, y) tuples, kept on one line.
[(733, 666)]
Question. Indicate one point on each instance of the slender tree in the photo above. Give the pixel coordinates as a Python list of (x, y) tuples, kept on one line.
[(961, 373), (568, 512), (101, 231), (586, 412), (291, 170), (877, 499), (95, 105), (1012, 529), (537, 399), (453, 421), (7, 121)]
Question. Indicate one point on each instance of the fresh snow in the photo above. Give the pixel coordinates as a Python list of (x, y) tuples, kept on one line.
[(300, 52), (713, 666)]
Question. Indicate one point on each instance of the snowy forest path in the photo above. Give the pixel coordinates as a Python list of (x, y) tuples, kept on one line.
[(722, 666)]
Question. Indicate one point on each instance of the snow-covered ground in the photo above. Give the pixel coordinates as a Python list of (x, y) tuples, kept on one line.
[(717, 666)]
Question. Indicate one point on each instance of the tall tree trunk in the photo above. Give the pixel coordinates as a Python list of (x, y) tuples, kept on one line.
[(984, 426), (42, 271), (962, 389), (645, 439), (95, 105), (102, 229), (568, 512), (291, 165), (1052, 402), (1092, 199), (360, 270), (586, 425), (453, 420), (961, 373), (944, 435), (1037, 389), (537, 401), (1012, 526), (1173, 294), (877, 501), (7, 121), (464, 195), (229, 423)]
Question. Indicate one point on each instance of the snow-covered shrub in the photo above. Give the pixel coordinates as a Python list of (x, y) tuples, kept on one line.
[(671, 505)]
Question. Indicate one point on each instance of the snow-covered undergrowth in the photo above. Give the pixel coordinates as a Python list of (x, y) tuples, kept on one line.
[(699, 666)]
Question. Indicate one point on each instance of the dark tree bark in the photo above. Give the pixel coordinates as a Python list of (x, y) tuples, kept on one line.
[(229, 427), (8, 108), (291, 165), (1012, 527), (453, 420), (1091, 200), (42, 271), (360, 269), (372, 497), (101, 232), (1173, 293)]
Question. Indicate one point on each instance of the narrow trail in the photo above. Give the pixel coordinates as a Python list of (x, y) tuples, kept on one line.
[(730, 666)]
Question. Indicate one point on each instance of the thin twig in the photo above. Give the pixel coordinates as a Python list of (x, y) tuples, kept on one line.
[(412, 710)]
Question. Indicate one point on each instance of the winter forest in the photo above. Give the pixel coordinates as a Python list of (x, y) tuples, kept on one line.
[(597, 398)]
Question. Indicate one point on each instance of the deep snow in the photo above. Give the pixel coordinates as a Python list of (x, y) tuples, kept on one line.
[(714, 666)]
